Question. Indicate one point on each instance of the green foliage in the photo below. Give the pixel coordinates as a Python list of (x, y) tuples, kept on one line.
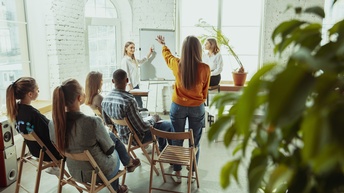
[(298, 142)]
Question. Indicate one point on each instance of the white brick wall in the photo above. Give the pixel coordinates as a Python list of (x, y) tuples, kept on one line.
[(155, 14), (65, 41)]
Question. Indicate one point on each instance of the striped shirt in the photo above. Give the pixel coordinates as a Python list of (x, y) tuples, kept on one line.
[(119, 104)]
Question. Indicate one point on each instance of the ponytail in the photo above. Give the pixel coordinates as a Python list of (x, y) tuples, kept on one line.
[(59, 118), (63, 97), (11, 105)]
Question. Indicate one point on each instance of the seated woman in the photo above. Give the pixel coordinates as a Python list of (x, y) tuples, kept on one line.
[(76, 132), (26, 118), (93, 86), (94, 82)]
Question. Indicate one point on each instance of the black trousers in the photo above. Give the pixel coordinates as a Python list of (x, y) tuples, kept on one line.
[(215, 80)]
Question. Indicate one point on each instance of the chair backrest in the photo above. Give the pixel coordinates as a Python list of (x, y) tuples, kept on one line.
[(108, 122), (93, 186), (34, 137), (174, 135), (126, 122)]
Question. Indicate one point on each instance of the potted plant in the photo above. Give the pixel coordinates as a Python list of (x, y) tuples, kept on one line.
[(297, 145), (239, 74)]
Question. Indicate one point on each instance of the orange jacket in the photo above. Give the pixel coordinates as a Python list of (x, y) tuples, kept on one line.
[(182, 96)]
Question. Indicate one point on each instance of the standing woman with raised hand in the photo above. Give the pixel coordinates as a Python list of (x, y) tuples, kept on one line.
[(76, 132), (214, 59), (131, 65), (26, 118), (190, 90)]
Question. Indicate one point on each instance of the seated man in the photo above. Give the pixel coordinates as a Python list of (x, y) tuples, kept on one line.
[(119, 104)]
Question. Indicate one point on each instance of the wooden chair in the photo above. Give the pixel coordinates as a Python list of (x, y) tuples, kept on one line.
[(93, 186), (39, 163), (109, 125), (133, 136), (185, 156)]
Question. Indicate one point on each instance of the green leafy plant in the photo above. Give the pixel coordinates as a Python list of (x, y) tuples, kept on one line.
[(298, 144), (221, 39)]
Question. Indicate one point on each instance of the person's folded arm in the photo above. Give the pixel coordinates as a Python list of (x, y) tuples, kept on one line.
[(103, 137), (136, 120)]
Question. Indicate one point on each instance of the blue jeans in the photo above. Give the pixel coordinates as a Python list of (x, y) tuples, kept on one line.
[(163, 126), (114, 184), (195, 115), (138, 98), (121, 150)]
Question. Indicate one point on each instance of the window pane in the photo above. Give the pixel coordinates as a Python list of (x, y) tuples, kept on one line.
[(14, 60), (8, 10), (245, 43), (193, 10), (10, 50), (237, 13), (100, 8), (102, 52)]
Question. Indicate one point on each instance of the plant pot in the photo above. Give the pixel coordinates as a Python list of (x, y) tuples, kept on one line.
[(239, 78)]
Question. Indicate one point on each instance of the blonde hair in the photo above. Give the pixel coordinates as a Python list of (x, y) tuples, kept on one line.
[(63, 96), (92, 86), (17, 91), (126, 45), (191, 56)]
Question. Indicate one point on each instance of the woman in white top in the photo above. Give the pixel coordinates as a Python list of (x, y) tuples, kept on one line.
[(130, 64), (214, 59)]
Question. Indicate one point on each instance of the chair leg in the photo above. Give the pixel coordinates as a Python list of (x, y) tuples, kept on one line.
[(20, 169), (123, 178), (149, 160), (61, 175), (151, 173), (39, 171), (93, 181), (196, 170), (132, 153)]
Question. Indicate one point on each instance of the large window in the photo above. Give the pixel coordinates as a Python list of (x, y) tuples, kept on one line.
[(103, 39), (14, 60), (239, 22)]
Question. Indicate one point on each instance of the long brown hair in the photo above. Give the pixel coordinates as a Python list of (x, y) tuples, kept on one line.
[(191, 56), (92, 86), (213, 43), (127, 44), (17, 91), (63, 96)]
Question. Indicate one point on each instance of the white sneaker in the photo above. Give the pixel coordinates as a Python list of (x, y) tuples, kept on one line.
[(176, 178), (148, 149), (53, 171)]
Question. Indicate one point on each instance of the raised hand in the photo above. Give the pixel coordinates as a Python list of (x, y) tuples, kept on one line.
[(160, 39)]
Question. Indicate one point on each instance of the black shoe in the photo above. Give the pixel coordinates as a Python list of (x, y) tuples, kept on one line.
[(136, 163)]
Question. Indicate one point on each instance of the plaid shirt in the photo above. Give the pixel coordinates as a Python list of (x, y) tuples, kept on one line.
[(119, 104)]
